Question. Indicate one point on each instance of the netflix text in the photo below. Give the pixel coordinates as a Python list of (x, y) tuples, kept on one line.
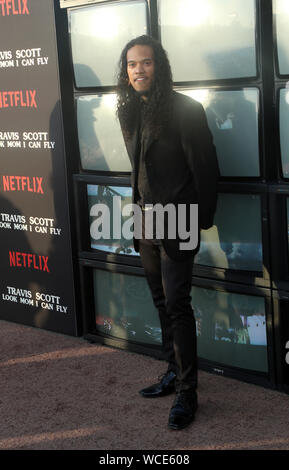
[(28, 260), (14, 7), (32, 184), (18, 99)]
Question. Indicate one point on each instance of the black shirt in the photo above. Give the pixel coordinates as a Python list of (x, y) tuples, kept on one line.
[(144, 194)]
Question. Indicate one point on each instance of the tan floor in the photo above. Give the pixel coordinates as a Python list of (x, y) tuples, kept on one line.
[(60, 392)]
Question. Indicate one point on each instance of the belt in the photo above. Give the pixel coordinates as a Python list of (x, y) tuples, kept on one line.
[(143, 208)]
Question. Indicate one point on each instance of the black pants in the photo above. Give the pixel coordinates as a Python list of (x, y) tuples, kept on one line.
[(170, 284)]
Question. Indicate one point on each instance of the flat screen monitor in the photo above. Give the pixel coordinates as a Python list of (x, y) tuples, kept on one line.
[(107, 202), (98, 34), (231, 327), (229, 244), (124, 308), (233, 120), (209, 39), (101, 144)]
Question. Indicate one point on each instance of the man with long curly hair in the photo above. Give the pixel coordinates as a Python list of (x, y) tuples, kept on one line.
[(173, 162)]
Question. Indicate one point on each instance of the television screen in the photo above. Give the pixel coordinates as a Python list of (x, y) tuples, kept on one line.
[(98, 34), (233, 120), (231, 328), (101, 144), (110, 237), (281, 14), (124, 308), (231, 243), (283, 126), (209, 39)]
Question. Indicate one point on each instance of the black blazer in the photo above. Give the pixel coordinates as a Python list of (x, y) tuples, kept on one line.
[(181, 164)]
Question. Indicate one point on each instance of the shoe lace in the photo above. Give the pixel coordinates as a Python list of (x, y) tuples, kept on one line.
[(180, 399), (183, 400)]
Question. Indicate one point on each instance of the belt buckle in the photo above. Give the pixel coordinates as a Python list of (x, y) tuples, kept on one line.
[(143, 208)]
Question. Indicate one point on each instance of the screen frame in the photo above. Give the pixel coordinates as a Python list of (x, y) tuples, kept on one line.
[(259, 88), (91, 334), (224, 81), (89, 314), (256, 278), (261, 157), (82, 216), (105, 88), (219, 84), (80, 168)]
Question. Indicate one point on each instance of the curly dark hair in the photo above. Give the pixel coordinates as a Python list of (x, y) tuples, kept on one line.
[(158, 106)]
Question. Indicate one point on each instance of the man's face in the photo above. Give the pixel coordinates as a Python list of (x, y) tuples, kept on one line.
[(140, 68)]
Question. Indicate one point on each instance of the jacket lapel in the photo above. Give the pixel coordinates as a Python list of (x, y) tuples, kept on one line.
[(133, 150), (148, 140), (132, 147)]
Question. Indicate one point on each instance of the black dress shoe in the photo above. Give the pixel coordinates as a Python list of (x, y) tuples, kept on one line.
[(162, 388), (183, 410)]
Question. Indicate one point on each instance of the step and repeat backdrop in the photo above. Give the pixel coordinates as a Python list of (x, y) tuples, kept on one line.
[(36, 274)]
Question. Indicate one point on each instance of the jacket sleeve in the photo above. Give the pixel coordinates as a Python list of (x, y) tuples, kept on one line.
[(202, 159)]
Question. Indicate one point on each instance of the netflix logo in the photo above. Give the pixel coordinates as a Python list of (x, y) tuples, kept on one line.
[(32, 184), (14, 7), (18, 99), (28, 260)]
